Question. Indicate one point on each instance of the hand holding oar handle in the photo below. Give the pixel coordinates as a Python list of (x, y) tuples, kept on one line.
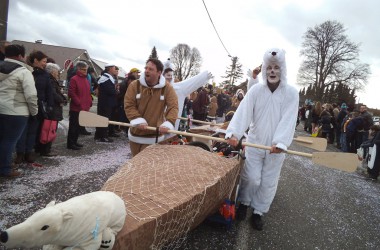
[(343, 161)]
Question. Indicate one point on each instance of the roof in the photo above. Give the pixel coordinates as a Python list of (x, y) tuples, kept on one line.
[(58, 53)]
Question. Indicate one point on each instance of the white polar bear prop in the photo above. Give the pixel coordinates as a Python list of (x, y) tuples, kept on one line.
[(89, 221)]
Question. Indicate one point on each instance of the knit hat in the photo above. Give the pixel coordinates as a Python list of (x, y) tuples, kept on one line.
[(343, 106)]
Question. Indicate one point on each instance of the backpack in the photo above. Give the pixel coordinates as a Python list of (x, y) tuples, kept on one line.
[(367, 122)]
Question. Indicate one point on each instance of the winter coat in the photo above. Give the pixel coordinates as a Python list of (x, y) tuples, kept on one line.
[(201, 102), (44, 93), (339, 120), (59, 100), (18, 94), (156, 106), (107, 95), (326, 122), (354, 125), (80, 93), (212, 107), (185, 88)]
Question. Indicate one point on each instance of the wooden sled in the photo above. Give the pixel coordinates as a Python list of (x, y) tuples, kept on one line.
[(169, 190)]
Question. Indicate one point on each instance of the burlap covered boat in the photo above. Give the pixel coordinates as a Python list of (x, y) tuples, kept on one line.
[(168, 190)]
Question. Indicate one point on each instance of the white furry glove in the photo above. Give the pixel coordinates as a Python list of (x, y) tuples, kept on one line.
[(249, 73), (209, 76)]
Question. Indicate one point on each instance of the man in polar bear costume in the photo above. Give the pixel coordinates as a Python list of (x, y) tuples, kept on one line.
[(89, 221)]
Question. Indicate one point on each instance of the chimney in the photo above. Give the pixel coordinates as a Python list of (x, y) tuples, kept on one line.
[(38, 41)]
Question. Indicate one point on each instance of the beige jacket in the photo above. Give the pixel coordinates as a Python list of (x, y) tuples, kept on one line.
[(18, 94), (213, 107), (156, 106)]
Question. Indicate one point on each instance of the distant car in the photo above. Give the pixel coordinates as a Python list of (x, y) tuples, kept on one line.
[(376, 120)]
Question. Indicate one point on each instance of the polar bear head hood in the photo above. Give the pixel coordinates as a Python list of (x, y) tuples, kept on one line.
[(277, 56)]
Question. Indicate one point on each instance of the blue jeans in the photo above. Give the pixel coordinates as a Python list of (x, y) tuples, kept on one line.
[(11, 128), (28, 138)]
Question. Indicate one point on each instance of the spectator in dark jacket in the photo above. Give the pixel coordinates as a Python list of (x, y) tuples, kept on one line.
[(80, 94), (356, 124), (374, 172), (200, 105), (325, 123), (107, 100), (59, 100), (120, 97), (339, 120), (31, 135), (224, 103)]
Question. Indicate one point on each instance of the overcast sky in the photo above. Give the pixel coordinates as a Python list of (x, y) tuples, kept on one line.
[(124, 32)]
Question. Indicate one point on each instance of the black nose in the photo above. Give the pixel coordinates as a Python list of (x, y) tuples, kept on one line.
[(3, 237), (274, 53)]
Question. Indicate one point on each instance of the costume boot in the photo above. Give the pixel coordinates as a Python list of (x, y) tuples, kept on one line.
[(19, 157), (257, 221)]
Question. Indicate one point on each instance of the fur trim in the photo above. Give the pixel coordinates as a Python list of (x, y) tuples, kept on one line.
[(277, 56), (160, 85)]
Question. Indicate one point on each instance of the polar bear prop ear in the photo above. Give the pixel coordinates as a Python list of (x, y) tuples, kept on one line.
[(168, 64), (52, 203), (67, 216)]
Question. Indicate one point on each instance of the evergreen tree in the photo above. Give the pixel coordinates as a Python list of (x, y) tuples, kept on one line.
[(153, 54), (234, 72)]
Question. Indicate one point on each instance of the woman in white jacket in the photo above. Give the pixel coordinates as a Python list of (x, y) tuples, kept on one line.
[(270, 110)]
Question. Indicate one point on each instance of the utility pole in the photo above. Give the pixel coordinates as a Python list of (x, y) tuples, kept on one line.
[(4, 5), (233, 68)]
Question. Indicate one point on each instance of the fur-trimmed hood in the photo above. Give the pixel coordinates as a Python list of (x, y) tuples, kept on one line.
[(161, 82), (277, 56), (239, 91)]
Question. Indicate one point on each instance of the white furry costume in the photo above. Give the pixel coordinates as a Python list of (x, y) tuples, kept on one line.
[(186, 87), (271, 119)]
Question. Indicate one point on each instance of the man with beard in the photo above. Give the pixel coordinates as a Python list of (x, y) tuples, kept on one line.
[(270, 111), (150, 101)]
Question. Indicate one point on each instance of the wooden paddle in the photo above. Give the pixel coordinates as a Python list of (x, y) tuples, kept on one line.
[(343, 161), (315, 143)]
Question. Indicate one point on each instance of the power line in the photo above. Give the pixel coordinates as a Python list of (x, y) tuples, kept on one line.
[(215, 29)]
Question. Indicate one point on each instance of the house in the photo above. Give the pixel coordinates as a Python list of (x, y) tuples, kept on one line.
[(65, 57)]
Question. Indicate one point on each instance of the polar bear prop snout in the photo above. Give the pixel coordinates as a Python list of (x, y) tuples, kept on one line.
[(81, 222)]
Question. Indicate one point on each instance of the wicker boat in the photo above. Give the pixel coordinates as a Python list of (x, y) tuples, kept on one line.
[(168, 190)]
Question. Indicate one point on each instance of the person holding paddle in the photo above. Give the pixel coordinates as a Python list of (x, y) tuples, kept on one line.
[(269, 110), (150, 101)]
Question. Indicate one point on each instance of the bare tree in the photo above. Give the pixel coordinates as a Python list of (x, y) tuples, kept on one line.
[(187, 61), (330, 58)]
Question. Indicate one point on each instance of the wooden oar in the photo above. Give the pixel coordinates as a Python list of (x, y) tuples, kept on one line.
[(199, 121), (343, 161), (316, 143)]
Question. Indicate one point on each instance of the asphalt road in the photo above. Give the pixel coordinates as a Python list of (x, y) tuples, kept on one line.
[(315, 207)]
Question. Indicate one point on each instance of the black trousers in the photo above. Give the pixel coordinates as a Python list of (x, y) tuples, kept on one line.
[(103, 132), (73, 134)]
